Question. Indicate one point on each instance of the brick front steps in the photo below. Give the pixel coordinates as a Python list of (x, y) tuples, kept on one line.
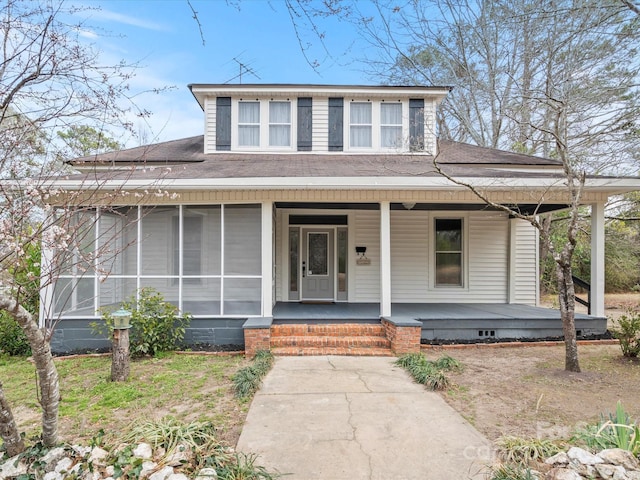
[(330, 339), (383, 338)]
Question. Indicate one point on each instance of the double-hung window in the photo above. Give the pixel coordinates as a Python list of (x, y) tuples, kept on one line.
[(279, 124), (360, 123), (448, 252), (390, 125), (249, 124)]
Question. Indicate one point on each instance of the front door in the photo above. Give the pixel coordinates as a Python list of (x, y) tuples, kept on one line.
[(318, 273)]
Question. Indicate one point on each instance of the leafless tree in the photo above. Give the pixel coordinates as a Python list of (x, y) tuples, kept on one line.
[(49, 80)]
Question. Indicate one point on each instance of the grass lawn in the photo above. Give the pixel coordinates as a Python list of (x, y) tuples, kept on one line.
[(186, 387)]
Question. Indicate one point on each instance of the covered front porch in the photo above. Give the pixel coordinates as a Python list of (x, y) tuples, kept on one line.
[(445, 321)]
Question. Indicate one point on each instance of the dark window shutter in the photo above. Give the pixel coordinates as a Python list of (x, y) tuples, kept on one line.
[(336, 124), (416, 124), (223, 123), (305, 124)]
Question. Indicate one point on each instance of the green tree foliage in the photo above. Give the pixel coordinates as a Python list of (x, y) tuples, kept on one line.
[(84, 140)]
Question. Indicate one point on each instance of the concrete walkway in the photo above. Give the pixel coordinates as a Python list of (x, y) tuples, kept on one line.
[(351, 418)]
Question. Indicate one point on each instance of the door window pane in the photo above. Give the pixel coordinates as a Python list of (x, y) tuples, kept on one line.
[(294, 248), (448, 252), (318, 261)]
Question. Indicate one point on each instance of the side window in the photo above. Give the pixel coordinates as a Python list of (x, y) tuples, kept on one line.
[(448, 252), (279, 124), (360, 125), (249, 124), (390, 125)]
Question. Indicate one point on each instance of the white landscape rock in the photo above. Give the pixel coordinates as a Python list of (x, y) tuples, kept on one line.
[(143, 451), (207, 474), (559, 473), (163, 474), (617, 456), (98, 455), (582, 456), (560, 458), (12, 468)]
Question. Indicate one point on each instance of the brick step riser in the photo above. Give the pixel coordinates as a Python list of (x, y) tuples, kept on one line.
[(363, 352), (330, 341), (328, 330)]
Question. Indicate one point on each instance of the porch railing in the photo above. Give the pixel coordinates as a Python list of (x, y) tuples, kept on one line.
[(586, 286)]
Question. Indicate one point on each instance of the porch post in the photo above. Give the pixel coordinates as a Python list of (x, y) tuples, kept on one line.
[(267, 259), (385, 259), (597, 259)]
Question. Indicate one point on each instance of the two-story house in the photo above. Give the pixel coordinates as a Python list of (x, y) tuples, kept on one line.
[(320, 204)]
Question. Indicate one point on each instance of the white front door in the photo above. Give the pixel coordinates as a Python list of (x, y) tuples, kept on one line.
[(318, 264)]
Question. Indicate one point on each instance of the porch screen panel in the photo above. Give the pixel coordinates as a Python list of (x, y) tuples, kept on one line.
[(202, 298), (74, 296), (114, 290), (242, 240), (202, 241), (77, 258), (242, 296), (448, 255), (117, 241), (168, 288)]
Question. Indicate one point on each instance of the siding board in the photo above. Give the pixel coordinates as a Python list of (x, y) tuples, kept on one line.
[(367, 277)]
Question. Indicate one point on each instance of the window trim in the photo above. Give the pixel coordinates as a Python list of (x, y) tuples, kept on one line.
[(376, 125), (263, 142), (446, 215)]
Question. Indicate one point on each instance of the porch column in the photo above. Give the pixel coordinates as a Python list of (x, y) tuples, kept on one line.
[(597, 259), (267, 259), (385, 259)]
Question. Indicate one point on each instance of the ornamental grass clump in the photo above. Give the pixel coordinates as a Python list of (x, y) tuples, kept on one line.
[(432, 374), (525, 451), (247, 380), (617, 430)]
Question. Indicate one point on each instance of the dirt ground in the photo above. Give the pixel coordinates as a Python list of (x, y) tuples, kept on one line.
[(526, 392)]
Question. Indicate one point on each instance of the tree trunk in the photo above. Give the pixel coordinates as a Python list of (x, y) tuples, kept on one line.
[(8, 428), (120, 356), (566, 295), (45, 368)]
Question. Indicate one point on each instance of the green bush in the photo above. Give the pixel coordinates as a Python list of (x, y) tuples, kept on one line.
[(627, 330), (156, 325), (13, 341)]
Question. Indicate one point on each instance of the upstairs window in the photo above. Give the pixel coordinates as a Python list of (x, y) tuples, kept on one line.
[(390, 125), (448, 252), (249, 124), (360, 125), (279, 124)]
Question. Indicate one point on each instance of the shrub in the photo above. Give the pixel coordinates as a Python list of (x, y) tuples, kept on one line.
[(627, 330), (13, 341), (428, 373), (615, 431), (511, 472), (156, 325)]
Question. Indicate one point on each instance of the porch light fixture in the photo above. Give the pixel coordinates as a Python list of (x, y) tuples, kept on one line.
[(408, 205), (361, 251), (121, 319)]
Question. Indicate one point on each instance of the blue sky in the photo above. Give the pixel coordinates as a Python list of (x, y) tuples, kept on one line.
[(164, 38)]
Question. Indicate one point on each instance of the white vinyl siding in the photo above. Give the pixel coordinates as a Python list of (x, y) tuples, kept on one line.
[(366, 278), (210, 125), (488, 257), (320, 120), (525, 276), (409, 256), (485, 264)]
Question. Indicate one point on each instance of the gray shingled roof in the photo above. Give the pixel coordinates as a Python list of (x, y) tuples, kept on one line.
[(191, 150)]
